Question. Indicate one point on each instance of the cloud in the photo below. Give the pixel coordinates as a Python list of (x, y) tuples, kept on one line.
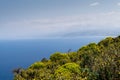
[(94, 4), (118, 3), (99, 24)]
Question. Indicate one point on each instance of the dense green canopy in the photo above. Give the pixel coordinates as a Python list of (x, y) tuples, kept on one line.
[(91, 62)]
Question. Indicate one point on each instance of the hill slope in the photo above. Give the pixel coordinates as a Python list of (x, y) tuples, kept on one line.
[(91, 62)]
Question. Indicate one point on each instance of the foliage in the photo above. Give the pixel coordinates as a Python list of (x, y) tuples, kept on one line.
[(37, 65), (91, 62), (69, 71)]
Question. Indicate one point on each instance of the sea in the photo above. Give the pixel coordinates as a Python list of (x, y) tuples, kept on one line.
[(22, 53)]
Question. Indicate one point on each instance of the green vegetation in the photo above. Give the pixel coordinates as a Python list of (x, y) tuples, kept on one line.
[(91, 62)]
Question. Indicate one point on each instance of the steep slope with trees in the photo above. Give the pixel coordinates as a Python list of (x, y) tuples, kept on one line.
[(99, 61)]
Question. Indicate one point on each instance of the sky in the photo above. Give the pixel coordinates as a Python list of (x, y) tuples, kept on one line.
[(39, 19)]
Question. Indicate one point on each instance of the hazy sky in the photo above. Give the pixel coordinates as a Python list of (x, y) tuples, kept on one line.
[(33, 19)]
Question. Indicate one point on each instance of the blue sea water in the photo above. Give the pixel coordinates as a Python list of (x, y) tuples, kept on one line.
[(22, 53)]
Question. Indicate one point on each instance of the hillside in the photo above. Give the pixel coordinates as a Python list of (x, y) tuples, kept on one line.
[(99, 61)]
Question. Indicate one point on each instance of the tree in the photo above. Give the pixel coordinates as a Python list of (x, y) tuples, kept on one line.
[(37, 65), (59, 58), (68, 71)]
